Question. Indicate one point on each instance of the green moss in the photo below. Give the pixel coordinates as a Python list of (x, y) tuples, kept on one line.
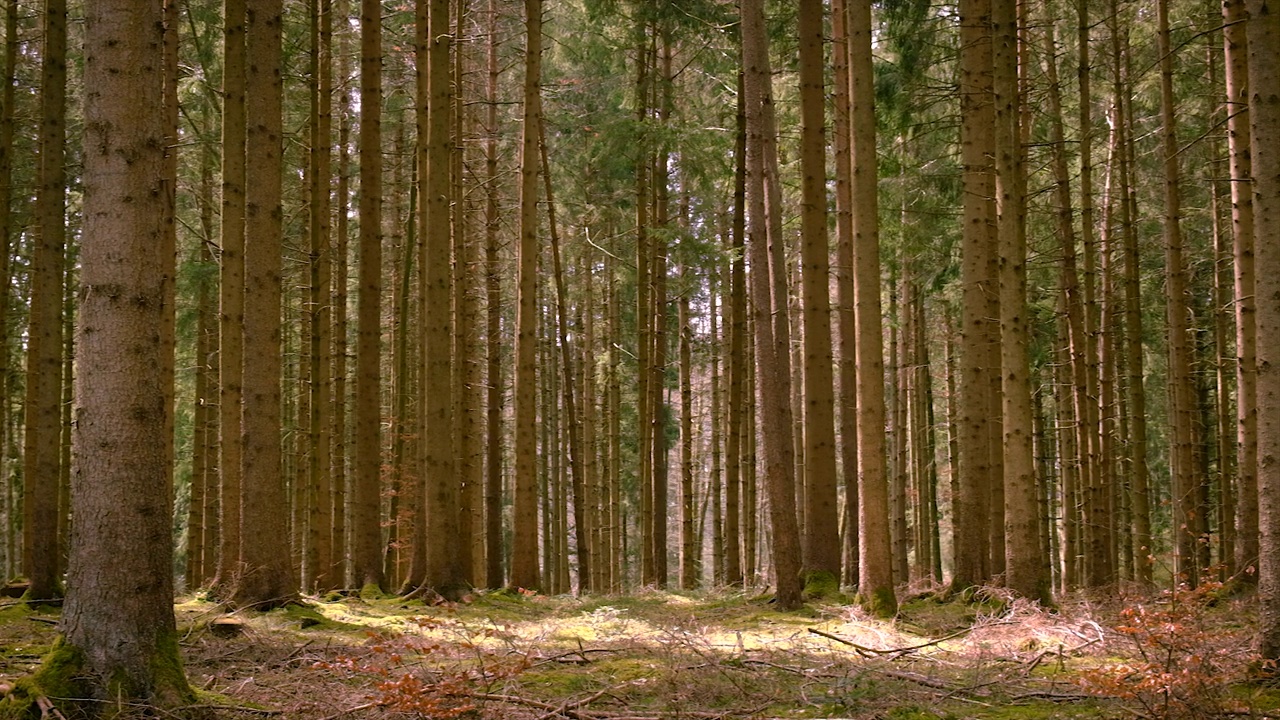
[(880, 602), (819, 585), (59, 676), (371, 592)]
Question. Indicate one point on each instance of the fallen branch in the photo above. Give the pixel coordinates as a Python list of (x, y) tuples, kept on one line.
[(868, 652), (862, 650)]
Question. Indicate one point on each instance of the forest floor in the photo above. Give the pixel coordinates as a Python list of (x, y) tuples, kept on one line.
[(657, 655)]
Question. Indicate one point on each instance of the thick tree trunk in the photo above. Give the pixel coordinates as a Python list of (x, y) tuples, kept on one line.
[(119, 629), (444, 572), (1264, 123)]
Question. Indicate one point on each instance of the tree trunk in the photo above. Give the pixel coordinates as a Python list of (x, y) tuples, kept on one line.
[(690, 548), (848, 434), (821, 563), (576, 459), (524, 556), (1181, 390), (1235, 42), (768, 277), (1025, 568), (366, 501), (1264, 124), (493, 319), (231, 296), (320, 508), (268, 578), (444, 572), (121, 634), (12, 41), (975, 474), (41, 559), (737, 360), (875, 574)]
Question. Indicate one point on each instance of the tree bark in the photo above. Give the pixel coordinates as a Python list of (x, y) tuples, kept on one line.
[(41, 559), (268, 576), (524, 556), (822, 531), (1025, 568), (1181, 390), (971, 503), (1236, 49), (231, 295), (875, 574), (366, 533), (119, 626), (768, 283), (1264, 124)]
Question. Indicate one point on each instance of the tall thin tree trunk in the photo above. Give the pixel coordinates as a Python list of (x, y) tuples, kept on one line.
[(7, 114), (366, 501), (1025, 568), (577, 459), (971, 503), (231, 294), (493, 318), (41, 560), (737, 359), (821, 561), (848, 434), (768, 292), (875, 578), (690, 549), (268, 576), (1235, 42), (1181, 390), (524, 556)]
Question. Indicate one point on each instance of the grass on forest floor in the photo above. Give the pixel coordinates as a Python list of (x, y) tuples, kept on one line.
[(674, 655)]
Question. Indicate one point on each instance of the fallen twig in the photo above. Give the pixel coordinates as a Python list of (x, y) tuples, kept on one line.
[(348, 711)]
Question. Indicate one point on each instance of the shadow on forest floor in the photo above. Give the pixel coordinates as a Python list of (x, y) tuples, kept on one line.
[(717, 655)]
